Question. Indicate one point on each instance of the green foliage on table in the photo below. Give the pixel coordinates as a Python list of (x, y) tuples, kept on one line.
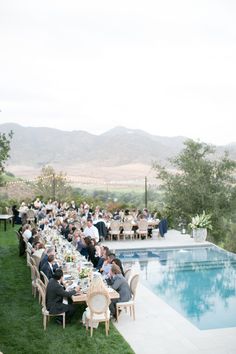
[(21, 327), (84, 273)]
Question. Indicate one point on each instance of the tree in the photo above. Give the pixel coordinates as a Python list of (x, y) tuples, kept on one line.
[(199, 183), (5, 140), (52, 185)]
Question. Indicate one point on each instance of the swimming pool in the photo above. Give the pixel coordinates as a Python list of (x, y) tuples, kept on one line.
[(198, 282)]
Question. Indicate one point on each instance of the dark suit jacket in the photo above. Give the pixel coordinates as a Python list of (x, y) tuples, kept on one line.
[(47, 270), (54, 297), (102, 229), (43, 260)]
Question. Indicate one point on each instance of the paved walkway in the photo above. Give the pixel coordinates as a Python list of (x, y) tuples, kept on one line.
[(158, 329)]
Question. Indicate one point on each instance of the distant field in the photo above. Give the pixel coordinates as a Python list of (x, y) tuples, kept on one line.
[(123, 178)]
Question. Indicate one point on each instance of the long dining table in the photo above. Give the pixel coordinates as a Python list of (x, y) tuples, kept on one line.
[(113, 294)]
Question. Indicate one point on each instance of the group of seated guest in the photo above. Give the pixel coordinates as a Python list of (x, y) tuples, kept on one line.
[(86, 239)]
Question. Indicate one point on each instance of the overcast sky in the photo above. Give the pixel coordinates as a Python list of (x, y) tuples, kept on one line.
[(164, 66)]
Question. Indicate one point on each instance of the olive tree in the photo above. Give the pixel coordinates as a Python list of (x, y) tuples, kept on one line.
[(198, 182), (5, 140), (52, 185)]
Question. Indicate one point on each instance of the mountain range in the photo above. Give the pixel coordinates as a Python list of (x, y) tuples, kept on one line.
[(82, 153)]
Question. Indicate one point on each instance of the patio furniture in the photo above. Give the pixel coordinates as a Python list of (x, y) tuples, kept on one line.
[(129, 304)]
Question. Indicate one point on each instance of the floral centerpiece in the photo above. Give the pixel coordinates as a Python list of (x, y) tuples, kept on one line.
[(199, 225), (69, 257), (84, 273)]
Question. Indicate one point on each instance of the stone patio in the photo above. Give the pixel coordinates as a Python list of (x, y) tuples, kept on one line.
[(159, 329)]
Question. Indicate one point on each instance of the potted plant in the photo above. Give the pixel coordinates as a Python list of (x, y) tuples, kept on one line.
[(199, 225)]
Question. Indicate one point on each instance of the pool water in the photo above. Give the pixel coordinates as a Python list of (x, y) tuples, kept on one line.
[(199, 282)]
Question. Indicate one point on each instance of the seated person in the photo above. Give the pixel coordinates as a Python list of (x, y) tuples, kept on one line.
[(47, 267), (16, 215), (55, 294), (91, 251), (120, 284), (117, 261), (44, 258), (91, 230), (106, 267), (103, 257)]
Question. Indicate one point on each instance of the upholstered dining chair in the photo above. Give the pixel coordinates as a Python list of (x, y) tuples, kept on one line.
[(129, 304), (127, 229), (115, 229), (45, 312), (127, 273), (142, 230), (97, 310), (30, 216)]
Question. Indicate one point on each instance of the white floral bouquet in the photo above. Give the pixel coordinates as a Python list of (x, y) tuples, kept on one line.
[(201, 221)]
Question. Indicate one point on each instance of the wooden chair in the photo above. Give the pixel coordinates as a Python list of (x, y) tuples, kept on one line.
[(33, 279), (32, 261), (127, 229), (97, 310), (127, 273), (44, 277), (115, 229), (142, 230), (45, 312), (30, 216), (129, 304), (39, 282)]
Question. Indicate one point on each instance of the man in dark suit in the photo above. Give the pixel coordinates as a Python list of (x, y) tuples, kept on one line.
[(47, 267), (55, 294)]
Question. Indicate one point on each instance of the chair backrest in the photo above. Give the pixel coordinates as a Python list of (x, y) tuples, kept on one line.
[(32, 261), (127, 226), (45, 278), (18, 235), (98, 302), (42, 295), (33, 276), (115, 225), (41, 284), (28, 256), (30, 214), (143, 225), (127, 273), (37, 275), (133, 284)]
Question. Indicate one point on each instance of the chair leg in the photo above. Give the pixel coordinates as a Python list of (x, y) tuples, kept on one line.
[(133, 312), (91, 326), (64, 320), (117, 313), (106, 327), (44, 322)]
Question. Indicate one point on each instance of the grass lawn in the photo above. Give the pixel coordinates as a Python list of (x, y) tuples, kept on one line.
[(21, 328)]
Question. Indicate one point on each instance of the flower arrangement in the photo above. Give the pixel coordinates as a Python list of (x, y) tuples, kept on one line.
[(201, 221), (84, 273), (69, 257)]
